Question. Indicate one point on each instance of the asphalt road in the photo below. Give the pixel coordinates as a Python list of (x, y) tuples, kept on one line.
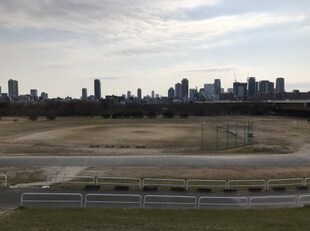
[(279, 160)]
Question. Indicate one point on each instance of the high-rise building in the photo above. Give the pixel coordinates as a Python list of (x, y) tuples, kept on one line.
[(97, 89), (0, 90), (44, 95), (171, 93), (280, 85), (185, 88), (84, 94), (139, 93), (209, 89), (178, 90), (251, 88), (266, 86), (240, 91), (217, 87), (13, 88), (128, 94), (153, 94), (34, 93), (192, 93)]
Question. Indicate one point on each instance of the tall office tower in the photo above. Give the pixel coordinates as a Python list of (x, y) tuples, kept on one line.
[(153, 94), (44, 95), (128, 94), (280, 85), (178, 90), (251, 88), (13, 88), (171, 93), (0, 90), (84, 94), (217, 87), (34, 93), (139, 93), (209, 89), (266, 86), (240, 90), (184, 88), (192, 93), (97, 89)]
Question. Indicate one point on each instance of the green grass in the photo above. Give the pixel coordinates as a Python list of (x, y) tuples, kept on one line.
[(135, 220)]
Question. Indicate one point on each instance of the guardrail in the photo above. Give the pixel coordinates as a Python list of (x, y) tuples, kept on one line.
[(52, 198), (247, 183), (114, 200), (285, 182), (163, 201), (206, 183), (3, 180), (163, 182), (126, 181), (167, 201), (53, 179), (226, 202), (274, 201)]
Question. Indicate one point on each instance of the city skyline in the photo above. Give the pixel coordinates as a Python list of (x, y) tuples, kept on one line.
[(151, 45)]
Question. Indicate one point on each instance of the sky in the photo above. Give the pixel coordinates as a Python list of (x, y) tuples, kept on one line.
[(61, 46)]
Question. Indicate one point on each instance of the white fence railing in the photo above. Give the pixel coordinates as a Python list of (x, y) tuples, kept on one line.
[(113, 200), (223, 202), (285, 182), (3, 180), (206, 184), (168, 201), (52, 199), (163, 182), (67, 179), (126, 181), (162, 201), (247, 183)]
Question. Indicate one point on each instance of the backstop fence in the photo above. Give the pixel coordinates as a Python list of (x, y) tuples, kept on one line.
[(226, 135)]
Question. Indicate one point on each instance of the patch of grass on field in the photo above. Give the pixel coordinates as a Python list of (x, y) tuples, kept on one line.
[(135, 220)]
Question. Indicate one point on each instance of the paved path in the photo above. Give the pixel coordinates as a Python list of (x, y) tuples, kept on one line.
[(280, 160)]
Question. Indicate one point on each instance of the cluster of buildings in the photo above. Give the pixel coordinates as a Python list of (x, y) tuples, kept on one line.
[(13, 93), (252, 90)]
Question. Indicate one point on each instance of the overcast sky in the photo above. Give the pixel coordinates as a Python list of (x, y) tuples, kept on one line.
[(61, 46)]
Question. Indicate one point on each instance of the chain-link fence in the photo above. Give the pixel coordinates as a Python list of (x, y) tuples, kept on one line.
[(225, 135)]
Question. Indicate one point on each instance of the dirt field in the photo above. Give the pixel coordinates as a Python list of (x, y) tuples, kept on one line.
[(98, 136)]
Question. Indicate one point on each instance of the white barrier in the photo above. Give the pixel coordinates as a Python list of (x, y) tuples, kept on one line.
[(167, 201), (206, 183), (163, 182), (127, 181), (52, 198), (247, 183), (3, 180), (226, 202), (306, 181), (108, 200), (273, 202), (285, 182), (52, 179), (303, 200)]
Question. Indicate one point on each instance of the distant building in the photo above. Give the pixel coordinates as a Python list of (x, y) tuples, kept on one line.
[(0, 90), (139, 93), (209, 89), (44, 95), (217, 87), (97, 90), (128, 94), (230, 90), (34, 94), (171, 93), (240, 91), (192, 93), (280, 85), (153, 94), (185, 88), (251, 88), (84, 94), (13, 88), (266, 86), (178, 90)]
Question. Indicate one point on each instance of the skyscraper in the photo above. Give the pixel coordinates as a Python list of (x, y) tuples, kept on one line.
[(217, 87), (139, 93), (240, 91), (280, 85), (171, 93), (128, 94), (13, 88), (84, 94), (153, 94), (185, 88), (178, 90), (97, 89), (251, 88)]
